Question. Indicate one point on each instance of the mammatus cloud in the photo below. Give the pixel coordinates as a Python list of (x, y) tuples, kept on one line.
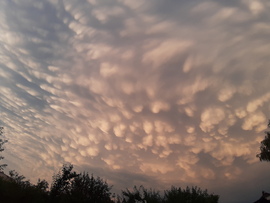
[(164, 93)]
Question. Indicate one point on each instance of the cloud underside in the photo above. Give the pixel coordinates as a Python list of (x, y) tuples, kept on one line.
[(134, 86)]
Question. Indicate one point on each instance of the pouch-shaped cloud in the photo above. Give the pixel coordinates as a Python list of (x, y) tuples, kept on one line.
[(106, 70), (226, 93), (253, 105), (155, 168), (158, 55), (187, 162), (148, 127), (157, 106), (211, 117), (256, 119)]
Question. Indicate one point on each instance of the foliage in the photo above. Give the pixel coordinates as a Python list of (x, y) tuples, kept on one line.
[(42, 185), (86, 188), (189, 195), (264, 155), (68, 186), (16, 189), (141, 194), (2, 142), (19, 179), (174, 195), (61, 185)]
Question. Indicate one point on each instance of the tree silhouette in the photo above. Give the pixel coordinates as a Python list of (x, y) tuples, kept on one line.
[(69, 186), (61, 185), (19, 179), (17, 189), (87, 188), (141, 194), (189, 195), (2, 142), (42, 185), (174, 195), (264, 155)]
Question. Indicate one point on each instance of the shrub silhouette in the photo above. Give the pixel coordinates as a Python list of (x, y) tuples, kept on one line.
[(71, 187)]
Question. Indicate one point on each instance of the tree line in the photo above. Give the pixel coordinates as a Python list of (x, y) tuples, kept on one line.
[(68, 186)]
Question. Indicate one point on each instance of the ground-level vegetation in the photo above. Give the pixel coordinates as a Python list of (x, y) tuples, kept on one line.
[(69, 186)]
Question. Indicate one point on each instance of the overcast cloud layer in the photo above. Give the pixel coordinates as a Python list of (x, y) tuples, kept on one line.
[(152, 92)]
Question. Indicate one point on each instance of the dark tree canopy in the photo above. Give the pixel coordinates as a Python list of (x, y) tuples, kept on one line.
[(2, 142), (141, 194), (16, 189), (61, 184), (189, 195), (69, 186), (264, 155), (174, 195)]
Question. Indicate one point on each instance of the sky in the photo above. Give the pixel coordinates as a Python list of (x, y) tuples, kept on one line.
[(154, 93)]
